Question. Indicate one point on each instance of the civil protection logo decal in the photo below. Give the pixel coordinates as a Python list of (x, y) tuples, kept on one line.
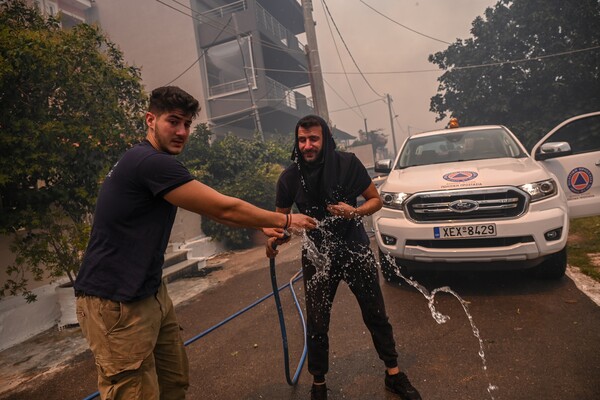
[(580, 180), (460, 176)]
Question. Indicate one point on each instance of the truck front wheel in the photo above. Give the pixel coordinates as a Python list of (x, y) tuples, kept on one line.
[(553, 267)]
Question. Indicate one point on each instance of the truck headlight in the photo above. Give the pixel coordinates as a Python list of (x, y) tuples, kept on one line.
[(540, 190), (394, 200)]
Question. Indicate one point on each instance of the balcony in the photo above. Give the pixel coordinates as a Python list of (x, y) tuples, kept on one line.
[(227, 9)]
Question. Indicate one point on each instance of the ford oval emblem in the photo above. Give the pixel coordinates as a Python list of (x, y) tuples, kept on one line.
[(463, 206)]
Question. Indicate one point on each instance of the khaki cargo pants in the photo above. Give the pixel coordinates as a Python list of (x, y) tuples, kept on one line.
[(137, 346)]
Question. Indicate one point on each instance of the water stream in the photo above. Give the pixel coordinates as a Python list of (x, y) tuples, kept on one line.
[(441, 318), (322, 261)]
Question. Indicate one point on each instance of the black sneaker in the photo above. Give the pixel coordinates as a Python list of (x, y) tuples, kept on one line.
[(318, 392), (400, 385)]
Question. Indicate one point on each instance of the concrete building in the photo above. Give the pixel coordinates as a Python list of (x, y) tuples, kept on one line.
[(247, 48), (72, 12)]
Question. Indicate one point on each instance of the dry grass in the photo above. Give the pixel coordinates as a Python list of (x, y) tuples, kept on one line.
[(584, 246)]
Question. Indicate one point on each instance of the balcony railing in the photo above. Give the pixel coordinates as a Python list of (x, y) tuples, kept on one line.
[(225, 10), (271, 25), (263, 19), (279, 91), (228, 88)]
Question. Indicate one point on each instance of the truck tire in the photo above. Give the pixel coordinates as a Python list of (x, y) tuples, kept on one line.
[(553, 267)]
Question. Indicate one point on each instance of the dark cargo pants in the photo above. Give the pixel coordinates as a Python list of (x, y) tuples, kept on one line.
[(358, 268)]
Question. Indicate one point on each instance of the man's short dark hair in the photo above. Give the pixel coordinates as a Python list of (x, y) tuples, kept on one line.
[(309, 121), (170, 98)]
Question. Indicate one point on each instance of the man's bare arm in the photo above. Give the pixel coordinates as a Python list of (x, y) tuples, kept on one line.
[(202, 199), (371, 205)]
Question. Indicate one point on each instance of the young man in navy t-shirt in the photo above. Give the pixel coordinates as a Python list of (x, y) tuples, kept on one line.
[(123, 306)]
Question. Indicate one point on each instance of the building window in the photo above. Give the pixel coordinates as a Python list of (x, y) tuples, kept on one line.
[(290, 99), (225, 67)]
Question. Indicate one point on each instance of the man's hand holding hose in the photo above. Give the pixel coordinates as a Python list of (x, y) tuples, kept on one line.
[(296, 223), (277, 237)]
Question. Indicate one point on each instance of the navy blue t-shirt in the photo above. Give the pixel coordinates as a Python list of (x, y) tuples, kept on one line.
[(132, 225), (353, 180)]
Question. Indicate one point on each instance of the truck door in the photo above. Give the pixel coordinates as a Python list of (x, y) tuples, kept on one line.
[(576, 165)]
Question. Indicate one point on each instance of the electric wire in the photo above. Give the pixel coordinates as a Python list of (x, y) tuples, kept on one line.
[(351, 107), (458, 68), (404, 26), (342, 63), (343, 100), (348, 50)]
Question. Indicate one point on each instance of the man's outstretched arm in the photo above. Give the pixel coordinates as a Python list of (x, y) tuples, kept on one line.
[(202, 199)]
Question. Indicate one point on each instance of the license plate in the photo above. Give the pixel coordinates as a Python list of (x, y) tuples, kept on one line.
[(464, 231)]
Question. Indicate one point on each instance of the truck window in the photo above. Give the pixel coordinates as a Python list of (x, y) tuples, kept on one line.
[(583, 135)]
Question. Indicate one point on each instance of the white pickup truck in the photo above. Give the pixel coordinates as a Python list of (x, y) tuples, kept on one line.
[(473, 198)]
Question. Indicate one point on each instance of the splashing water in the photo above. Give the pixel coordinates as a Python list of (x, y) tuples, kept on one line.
[(321, 260), (441, 318)]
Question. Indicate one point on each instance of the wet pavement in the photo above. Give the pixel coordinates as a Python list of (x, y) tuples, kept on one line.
[(541, 340)]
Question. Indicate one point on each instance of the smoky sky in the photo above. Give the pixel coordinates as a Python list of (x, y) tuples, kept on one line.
[(380, 45)]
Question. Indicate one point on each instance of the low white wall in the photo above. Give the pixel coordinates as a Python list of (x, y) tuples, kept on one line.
[(20, 321)]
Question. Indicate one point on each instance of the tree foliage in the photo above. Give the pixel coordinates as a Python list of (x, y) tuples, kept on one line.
[(69, 105), (237, 167), (531, 96)]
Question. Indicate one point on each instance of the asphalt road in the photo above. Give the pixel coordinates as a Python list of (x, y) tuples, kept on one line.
[(541, 339)]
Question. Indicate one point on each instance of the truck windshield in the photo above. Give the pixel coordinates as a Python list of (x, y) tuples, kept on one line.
[(455, 146)]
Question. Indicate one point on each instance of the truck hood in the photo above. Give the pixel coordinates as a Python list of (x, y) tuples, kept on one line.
[(465, 175)]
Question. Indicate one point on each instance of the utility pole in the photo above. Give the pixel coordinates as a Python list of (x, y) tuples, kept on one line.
[(314, 63), (389, 101), (257, 124), (366, 130)]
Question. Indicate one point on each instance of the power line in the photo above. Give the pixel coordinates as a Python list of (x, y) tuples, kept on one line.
[(404, 26), (343, 100), (342, 64), (537, 58), (352, 107), (347, 49)]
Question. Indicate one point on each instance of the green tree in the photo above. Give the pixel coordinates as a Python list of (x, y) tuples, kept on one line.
[(69, 106), (238, 167), (530, 97)]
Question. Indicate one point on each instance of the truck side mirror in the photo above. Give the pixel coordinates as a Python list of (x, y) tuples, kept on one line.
[(553, 150), (383, 166)]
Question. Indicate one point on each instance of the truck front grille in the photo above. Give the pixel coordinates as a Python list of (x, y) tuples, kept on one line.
[(471, 243), (467, 204)]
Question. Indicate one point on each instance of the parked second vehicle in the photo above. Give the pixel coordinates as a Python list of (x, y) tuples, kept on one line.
[(473, 198)]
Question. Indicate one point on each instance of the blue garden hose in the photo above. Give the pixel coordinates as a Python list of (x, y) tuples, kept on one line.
[(286, 358), (291, 381)]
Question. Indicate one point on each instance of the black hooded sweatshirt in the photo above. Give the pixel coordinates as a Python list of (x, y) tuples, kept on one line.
[(335, 177)]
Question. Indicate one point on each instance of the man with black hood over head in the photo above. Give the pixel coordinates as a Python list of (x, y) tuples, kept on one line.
[(324, 184)]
